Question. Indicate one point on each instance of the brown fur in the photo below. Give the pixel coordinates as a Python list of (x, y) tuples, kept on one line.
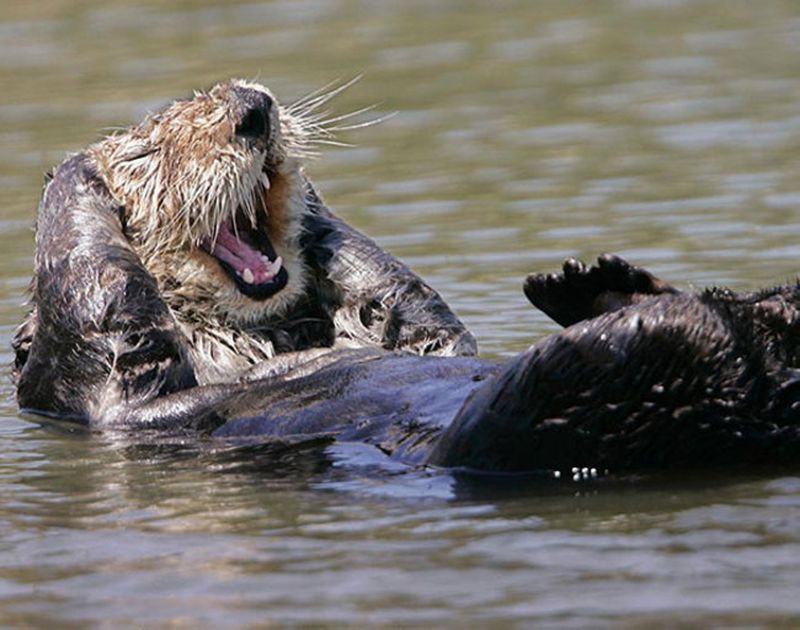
[(174, 179), (180, 173)]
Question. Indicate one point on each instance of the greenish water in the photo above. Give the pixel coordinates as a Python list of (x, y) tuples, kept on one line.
[(664, 130)]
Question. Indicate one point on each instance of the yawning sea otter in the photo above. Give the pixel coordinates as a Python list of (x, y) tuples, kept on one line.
[(197, 239), (188, 277)]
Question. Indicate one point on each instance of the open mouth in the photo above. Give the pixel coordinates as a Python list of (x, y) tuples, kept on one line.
[(248, 257)]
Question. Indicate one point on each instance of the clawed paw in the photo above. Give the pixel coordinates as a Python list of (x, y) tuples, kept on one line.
[(582, 292)]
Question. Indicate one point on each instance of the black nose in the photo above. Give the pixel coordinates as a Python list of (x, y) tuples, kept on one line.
[(255, 107)]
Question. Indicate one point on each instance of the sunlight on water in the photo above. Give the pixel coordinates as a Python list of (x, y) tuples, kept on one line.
[(666, 131)]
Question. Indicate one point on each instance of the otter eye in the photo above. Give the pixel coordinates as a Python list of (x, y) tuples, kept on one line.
[(253, 125)]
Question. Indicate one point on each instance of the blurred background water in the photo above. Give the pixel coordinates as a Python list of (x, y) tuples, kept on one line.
[(664, 130)]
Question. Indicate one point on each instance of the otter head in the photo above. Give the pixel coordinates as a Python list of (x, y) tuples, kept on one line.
[(213, 194)]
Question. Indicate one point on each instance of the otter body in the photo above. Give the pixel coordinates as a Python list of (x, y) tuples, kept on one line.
[(676, 381), (188, 277)]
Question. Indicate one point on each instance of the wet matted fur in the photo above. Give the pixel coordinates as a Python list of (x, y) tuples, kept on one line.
[(188, 277), (126, 236)]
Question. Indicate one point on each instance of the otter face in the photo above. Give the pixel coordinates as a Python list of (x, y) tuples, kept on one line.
[(213, 195)]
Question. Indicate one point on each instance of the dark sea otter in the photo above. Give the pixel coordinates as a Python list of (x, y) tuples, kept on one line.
[(188, 278)]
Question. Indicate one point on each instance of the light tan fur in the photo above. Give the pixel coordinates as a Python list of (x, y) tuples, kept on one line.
[(179, 175)]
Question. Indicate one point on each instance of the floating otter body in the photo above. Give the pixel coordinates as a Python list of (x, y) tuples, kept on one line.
[(189, 278)]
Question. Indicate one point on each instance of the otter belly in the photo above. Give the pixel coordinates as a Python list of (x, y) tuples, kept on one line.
[(399, 403)]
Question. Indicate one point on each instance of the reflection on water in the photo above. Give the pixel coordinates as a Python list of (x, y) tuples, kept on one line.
[(527, 131)]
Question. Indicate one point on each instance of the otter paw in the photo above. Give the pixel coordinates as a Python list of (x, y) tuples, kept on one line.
[(582, 292), (566, 297), (613, 273)]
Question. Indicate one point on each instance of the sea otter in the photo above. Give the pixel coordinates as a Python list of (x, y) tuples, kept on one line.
[(188, 277), (197, 239)]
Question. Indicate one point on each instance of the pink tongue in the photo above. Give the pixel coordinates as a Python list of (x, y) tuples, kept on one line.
[(240, 255)]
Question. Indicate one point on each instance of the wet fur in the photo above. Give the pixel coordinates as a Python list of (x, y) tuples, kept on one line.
[(127, 214), (121, 336)]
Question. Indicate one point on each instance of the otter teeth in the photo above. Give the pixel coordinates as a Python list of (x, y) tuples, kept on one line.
[(272, 267), (275, 266)]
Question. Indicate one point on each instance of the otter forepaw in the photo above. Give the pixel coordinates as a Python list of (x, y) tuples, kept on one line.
[(582, 292), (564, 297), (618, 275)]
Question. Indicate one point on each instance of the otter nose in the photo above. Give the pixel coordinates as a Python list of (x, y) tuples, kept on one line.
[(255, 108)]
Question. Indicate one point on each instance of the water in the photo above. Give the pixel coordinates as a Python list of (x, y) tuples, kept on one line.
[(664, 130)]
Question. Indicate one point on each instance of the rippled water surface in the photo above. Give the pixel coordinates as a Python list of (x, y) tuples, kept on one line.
[(665, 130)]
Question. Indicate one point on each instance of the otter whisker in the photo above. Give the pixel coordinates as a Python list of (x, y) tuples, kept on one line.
[(300, 102), (319, 97), (333, 143), (311, 128), (324, 122), (312, 132), (367, 123), (304, 153)]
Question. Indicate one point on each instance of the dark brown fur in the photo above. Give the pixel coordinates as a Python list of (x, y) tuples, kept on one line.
[(643, 377)]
